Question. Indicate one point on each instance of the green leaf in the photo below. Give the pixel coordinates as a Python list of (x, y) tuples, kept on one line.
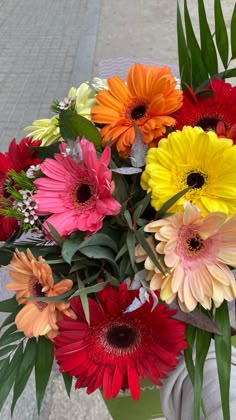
[(68, 382), (196, 60), (227, 74), (73, 125), (143, 242), (59, 298), (43, 367), (8, 305), (207, 44), (71, 246), (221, 34), (184, 62), (90, 289), (190, 334), (203, 340), (8, 377), (16, 336), (84, 300), (169, 203), (121, 252), (25, 369), (101, 253), (99, 239), (131, 241), (128, 219), (223, 356), (7, 349), (10, 330), (55, 235), (46, 151), (233, 33)]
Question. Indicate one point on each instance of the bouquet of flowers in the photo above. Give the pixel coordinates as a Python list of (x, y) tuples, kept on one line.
[(118, 227)]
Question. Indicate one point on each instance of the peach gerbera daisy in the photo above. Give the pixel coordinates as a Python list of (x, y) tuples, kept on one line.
[(197, 252), (147, 99), (34, 278)]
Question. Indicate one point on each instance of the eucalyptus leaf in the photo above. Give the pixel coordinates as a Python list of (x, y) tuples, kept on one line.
[(71, 246), (196, 318), (90, 289), (84, 300), (139, 149), (169, 203), (143, 242), (100, 239), (131, 241), (55, 235), (127, 170), (101, 253)]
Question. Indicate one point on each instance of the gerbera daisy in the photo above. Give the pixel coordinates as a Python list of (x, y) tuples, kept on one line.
[(18, 157), (208, 112), (148, 99), (84, 99), (195, 159), (77, 194), (47, 130), (34, 278), (197, 251), (119, 345)]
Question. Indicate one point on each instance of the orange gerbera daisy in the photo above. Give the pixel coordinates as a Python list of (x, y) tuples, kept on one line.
[(147, 99), (33, 278)]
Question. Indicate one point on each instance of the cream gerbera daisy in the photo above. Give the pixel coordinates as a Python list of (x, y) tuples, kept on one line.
[(47, 130), (197, 252), (195, 159)]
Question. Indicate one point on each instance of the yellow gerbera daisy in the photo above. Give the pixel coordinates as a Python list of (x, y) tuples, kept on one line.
[(46, 130), (192, 158)]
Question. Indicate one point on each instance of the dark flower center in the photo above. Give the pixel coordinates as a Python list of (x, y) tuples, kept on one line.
[(83, 193), (121, 336), (195, 180), (208, 123), (195, 243), (138, 112), (35, 289)]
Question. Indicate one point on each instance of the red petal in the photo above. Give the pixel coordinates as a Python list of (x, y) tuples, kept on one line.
[(117, 382), (107, 382), (134, 384)]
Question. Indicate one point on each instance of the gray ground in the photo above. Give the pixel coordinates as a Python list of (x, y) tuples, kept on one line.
[(45, 48)]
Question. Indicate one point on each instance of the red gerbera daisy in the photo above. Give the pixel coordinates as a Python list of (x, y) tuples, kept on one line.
[(120, 344), (217, 112), (18, 157)]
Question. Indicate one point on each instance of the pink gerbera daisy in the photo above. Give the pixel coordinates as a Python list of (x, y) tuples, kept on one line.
[(121, 344), (197, 251), (77, 194)]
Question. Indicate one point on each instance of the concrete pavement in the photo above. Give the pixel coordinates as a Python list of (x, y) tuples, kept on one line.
[(45, 48)]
